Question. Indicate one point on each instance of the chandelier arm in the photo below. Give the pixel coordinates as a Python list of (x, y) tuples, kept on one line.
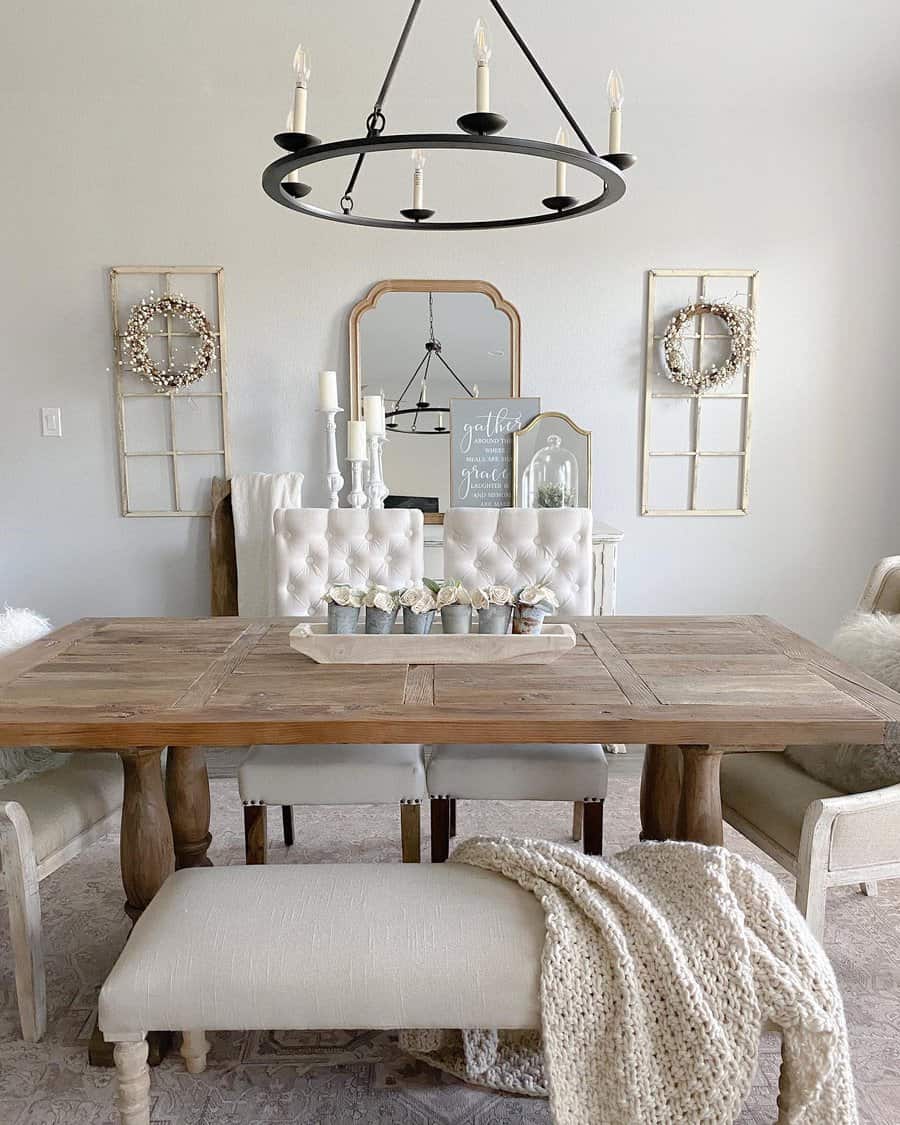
[(455, 376), (372, 125), (511, 28), (412, 378)]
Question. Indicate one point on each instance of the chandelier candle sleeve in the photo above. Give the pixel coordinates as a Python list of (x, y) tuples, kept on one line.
[(418, 159), (373, 406), (356, 441), (482, 52), (562, 138), (328, 392), (616, 92), (301, 71)]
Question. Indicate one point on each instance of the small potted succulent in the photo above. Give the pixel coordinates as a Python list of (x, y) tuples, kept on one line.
[(495, 606), (533, 603), (343, 608), (418, 607), (455, 603), (381, 609)]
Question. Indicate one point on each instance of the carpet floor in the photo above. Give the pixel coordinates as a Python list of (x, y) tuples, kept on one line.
[(344, 1077)]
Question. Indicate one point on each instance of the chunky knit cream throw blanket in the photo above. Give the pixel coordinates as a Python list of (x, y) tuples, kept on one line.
[(661, 967)]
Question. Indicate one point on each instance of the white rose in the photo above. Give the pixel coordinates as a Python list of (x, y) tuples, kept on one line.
[(463, 597), (424, 604), (414, 594), (447, 595), (535, 595), (357, 597), (480, 599), (500, 595), (380, 597), (340, 595)]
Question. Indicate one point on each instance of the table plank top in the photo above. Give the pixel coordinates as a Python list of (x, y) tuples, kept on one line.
[(738, 682)]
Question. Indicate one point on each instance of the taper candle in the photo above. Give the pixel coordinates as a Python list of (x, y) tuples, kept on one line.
[(356, 441), (482, 52), (328, 393), (562, 138), (418, 158), (616, 92)]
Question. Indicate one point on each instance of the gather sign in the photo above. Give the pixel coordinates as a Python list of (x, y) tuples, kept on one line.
[(481, 432)]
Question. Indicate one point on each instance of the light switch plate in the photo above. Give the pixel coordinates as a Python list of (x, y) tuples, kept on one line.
[(51, 421)]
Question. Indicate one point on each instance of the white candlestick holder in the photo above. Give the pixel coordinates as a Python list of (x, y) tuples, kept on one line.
[(376, 489), (357, 497), (333, 477)]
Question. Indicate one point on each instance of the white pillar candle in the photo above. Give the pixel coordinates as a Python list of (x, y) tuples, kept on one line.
[(356, 441), (616, 91), (418, 158), (440, 421), (562, 138), (299, 109), (328, 393), (373, 406)]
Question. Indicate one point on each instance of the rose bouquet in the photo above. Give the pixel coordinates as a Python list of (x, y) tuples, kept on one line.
[(495, 607), (455, 603), (419, 605), (343, 603), (381, 609), (532, 605)]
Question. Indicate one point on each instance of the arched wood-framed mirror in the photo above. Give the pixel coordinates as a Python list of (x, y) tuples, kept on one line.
[(479, 335)]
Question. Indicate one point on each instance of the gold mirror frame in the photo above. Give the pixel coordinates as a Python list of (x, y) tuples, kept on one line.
[(538, 418), (410, 285)]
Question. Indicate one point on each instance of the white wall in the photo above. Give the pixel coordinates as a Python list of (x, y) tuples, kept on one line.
[(136, 133)]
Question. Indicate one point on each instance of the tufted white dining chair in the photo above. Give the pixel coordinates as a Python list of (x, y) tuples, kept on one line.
[(518, 547), (314, 549)]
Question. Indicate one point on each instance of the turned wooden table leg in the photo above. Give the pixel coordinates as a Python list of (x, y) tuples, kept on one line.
[(187, 795), (660, 792), (700, 810), (146, 848)]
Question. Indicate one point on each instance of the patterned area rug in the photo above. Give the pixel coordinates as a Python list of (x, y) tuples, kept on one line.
[(343, 1077)]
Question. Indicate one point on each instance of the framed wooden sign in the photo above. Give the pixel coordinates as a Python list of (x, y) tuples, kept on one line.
[(481, 452)]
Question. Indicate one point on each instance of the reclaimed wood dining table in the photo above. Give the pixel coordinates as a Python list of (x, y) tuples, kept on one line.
[(690, 688)]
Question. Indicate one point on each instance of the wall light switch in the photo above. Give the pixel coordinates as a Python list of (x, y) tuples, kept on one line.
[(51, 421)]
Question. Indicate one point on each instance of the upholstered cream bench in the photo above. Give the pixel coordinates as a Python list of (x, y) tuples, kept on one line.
[(320, 946)]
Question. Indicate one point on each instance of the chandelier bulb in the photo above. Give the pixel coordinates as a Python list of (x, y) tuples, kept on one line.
[(481, 47), (615, 89), (562, 136), (418, 157), (301, 65)]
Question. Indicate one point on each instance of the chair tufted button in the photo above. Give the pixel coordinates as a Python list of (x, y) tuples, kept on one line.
[(555, 563), (369, 536), (387, 558)]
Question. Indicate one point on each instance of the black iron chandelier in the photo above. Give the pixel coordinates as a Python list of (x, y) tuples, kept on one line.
[(282, 182), (413, 415)]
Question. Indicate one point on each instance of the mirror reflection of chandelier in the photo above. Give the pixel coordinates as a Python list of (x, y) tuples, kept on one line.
[(414, 419), (551, 478)]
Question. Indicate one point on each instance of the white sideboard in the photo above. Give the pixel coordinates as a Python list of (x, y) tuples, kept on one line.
[(606, 541)]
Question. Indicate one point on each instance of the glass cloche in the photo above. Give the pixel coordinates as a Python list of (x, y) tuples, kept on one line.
[(551, 478)]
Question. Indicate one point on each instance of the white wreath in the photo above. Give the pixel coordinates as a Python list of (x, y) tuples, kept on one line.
[(137, 345), (741, 326)]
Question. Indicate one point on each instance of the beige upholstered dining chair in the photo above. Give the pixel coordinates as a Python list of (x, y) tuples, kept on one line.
[(518, 547), (824, 837), (314, 549)]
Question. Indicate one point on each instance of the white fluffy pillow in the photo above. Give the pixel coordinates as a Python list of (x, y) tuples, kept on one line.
[(19, 627), (870, 641)]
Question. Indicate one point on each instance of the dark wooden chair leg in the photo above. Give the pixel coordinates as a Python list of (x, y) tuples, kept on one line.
[(255, 835), (593, 828), (452, 816), (440, 829), (410, 832), (287, 823), (577, 819)]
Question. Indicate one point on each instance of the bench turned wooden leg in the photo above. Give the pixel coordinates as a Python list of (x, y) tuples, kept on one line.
[(133, 1075), (287, 825), (256, 841), (440, 829), (593, 828), (577, 819), (410, 832), (194, 1049)]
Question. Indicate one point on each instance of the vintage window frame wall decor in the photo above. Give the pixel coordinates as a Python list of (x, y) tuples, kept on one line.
[(168, 276), (655, 333)]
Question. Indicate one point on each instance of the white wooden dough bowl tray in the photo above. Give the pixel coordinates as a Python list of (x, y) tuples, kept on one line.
[(436, 647)]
